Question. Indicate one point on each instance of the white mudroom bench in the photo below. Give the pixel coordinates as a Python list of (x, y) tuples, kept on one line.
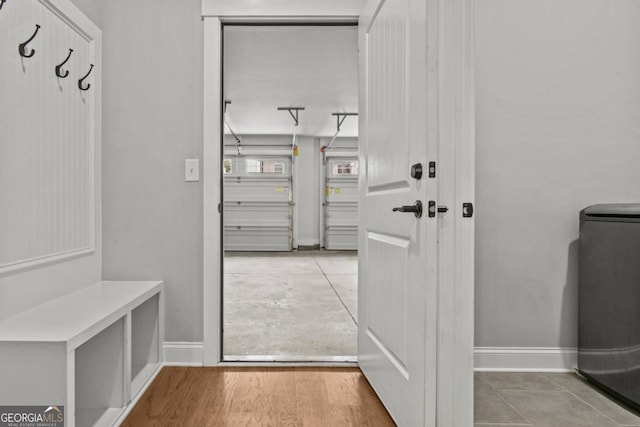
[(91, 351)]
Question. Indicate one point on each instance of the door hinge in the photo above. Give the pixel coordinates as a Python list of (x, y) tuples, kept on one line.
[(467, 210), (432, 169), (219, 207)]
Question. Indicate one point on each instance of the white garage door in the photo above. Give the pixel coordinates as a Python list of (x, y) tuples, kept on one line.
[(341, 203), (257, 203)]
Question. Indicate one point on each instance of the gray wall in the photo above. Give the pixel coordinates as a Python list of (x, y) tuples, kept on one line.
[(91, 8), (558, 129), (153, 121), (558, 102)]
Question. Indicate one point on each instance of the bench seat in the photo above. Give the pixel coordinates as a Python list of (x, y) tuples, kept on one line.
[(91, 351)]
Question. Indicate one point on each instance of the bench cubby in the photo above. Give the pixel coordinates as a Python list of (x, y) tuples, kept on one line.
[(91, 351)]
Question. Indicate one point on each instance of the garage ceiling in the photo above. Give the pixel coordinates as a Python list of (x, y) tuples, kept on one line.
[(266, 67)]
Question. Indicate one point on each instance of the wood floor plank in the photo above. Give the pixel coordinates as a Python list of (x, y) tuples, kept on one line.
[(343, 389), (313, 402), (215, 398), (278, 397)]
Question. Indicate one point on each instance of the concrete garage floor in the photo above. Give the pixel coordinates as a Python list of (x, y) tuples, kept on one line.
[(290, 306)]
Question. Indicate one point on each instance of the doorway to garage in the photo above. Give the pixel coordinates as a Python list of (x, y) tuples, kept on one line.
[(290, 193)]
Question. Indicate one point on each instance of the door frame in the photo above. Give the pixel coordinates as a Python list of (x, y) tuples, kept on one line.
[(456, 118), (215, 13)]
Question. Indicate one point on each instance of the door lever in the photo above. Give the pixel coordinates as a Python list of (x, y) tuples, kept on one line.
[(416, 209)]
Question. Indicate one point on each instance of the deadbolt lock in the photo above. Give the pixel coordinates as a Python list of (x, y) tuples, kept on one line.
[(416, 171)]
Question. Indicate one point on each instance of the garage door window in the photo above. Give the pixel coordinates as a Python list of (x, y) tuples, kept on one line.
[(342, 167), (272, 167)]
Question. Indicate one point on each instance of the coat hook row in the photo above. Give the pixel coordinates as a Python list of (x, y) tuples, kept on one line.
[(22, 47), (81, 81), (59, 72)]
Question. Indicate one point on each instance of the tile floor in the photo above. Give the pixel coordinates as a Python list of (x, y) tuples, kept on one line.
[(290, 306), (549, 400)]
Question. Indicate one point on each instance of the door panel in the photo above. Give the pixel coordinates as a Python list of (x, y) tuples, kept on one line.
[(398, 251), (386, 105), (389, 301), (257, 203)]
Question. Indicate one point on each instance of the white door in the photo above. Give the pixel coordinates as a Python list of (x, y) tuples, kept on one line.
[(398, 251)]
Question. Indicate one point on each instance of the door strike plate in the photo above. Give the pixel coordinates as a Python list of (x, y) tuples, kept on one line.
[(432, 209), (467, 210)]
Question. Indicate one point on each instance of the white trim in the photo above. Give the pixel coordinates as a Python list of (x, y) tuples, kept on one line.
[(242, 19), (46, 260), (72, 16), (525, 359), (519, 359), (211, 185), (453, 30), (215, 12), (283, 8), (182, 353)]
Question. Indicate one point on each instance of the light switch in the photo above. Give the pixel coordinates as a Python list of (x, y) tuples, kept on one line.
[(192, 170)]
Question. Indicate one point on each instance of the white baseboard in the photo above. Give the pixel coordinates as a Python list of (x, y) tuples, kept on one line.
[(525, 359), (507, 359), (183, 353)]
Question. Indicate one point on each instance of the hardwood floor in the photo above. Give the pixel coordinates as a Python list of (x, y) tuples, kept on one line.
[(278, 397)]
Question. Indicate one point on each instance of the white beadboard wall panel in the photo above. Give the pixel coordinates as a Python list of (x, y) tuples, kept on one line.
[(47, 138), (50, 155)]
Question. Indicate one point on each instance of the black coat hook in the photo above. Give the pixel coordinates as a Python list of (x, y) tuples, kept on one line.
[(82, 80), (2, 2), (22, 47), (59, 72)]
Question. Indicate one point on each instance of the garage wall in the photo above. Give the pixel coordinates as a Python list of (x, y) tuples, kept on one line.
[(308, 191), (307, 180), (558, 102)]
